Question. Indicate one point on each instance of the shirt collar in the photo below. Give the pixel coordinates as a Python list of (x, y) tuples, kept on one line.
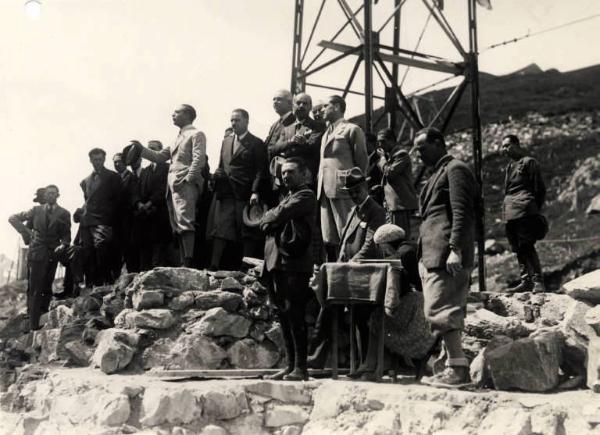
[(361, 206), (242, 136), (186, 128), (336, 123), (285, 115)]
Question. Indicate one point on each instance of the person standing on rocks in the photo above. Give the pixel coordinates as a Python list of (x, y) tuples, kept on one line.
[(48, 235), (289, 263), (446, 248), (185, 179), (398, 184), (239, 179), (524, 195), (102, 192), (342, 147)]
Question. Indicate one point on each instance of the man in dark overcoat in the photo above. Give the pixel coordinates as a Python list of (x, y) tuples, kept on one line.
[(446, 249), (48, 235), (102, 192), (241, 175)]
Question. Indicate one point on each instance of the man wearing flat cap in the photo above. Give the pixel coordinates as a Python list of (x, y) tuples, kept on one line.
[(446, 247), (185, 179)]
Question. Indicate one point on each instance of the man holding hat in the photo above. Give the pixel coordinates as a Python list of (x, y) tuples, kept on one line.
[(239, 179), (186, 176), (446, 247)]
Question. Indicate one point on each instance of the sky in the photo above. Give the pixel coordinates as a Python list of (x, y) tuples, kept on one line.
[(98, 73)]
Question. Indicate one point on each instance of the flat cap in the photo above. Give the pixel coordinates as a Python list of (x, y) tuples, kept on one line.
[(388, 233)]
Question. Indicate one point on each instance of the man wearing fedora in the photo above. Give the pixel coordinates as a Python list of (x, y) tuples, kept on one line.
[(288, 263), (446, 248), (356, 244), (239, 179), (185, 179), (342, 147)]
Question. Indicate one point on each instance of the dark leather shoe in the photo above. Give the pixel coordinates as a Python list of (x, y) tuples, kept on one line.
[(523, 286), (297, 375)]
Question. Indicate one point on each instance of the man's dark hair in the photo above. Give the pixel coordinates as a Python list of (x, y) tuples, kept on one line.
[(512, 138), (51, 186), (387, 133), (336, 99), (432, 134), (157, 142), (96, 151), (190, 111), (243, 112), (299, 161)]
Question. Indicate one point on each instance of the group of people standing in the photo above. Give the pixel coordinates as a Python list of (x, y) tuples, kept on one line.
[(314, 191)]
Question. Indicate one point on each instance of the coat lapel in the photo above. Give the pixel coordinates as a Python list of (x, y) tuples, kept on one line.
[(353, 223), (428, 189), (244, 143)]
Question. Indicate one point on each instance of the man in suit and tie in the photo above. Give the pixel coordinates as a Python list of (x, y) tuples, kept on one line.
[(289, 270), (282, 103), (241, 175), (356, 244), (102, 192), (398, 184), (185, 179), (150, 209), (446, 248), (302, 138), (342, 147), (48, 235)]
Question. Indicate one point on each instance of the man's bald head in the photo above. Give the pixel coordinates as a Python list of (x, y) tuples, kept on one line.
[(282, 102), (302, 105)]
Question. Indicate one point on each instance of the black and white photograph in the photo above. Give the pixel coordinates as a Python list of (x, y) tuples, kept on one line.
[(286, 217)]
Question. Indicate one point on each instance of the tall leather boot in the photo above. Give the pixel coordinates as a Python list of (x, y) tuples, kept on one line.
[(526, 283), (300, 372), (536, 271)]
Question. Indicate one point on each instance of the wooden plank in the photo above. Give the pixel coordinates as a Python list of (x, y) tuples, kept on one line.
[(229, 373)]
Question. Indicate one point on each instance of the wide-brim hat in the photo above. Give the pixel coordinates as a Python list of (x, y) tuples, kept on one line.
[(252, 214), (352, 178), (131, 153)]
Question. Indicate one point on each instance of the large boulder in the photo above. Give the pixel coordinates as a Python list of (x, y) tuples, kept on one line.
[(160, 405), (59, 316), (187, 352), (248, 354), (217, 322), (224, 299), (486, 324), (592, 318), (586, 287), (480, 370), (593, 364), (577, 335), (528, 364), (182, 301), (85, 305), (145, 299), (112, 305), (156, 318), (115, 349), (172, 280)]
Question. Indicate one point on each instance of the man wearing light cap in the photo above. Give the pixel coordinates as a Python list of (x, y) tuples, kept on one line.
[(446, 247)]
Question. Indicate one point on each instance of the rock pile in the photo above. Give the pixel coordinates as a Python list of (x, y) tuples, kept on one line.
[(175, 318)]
